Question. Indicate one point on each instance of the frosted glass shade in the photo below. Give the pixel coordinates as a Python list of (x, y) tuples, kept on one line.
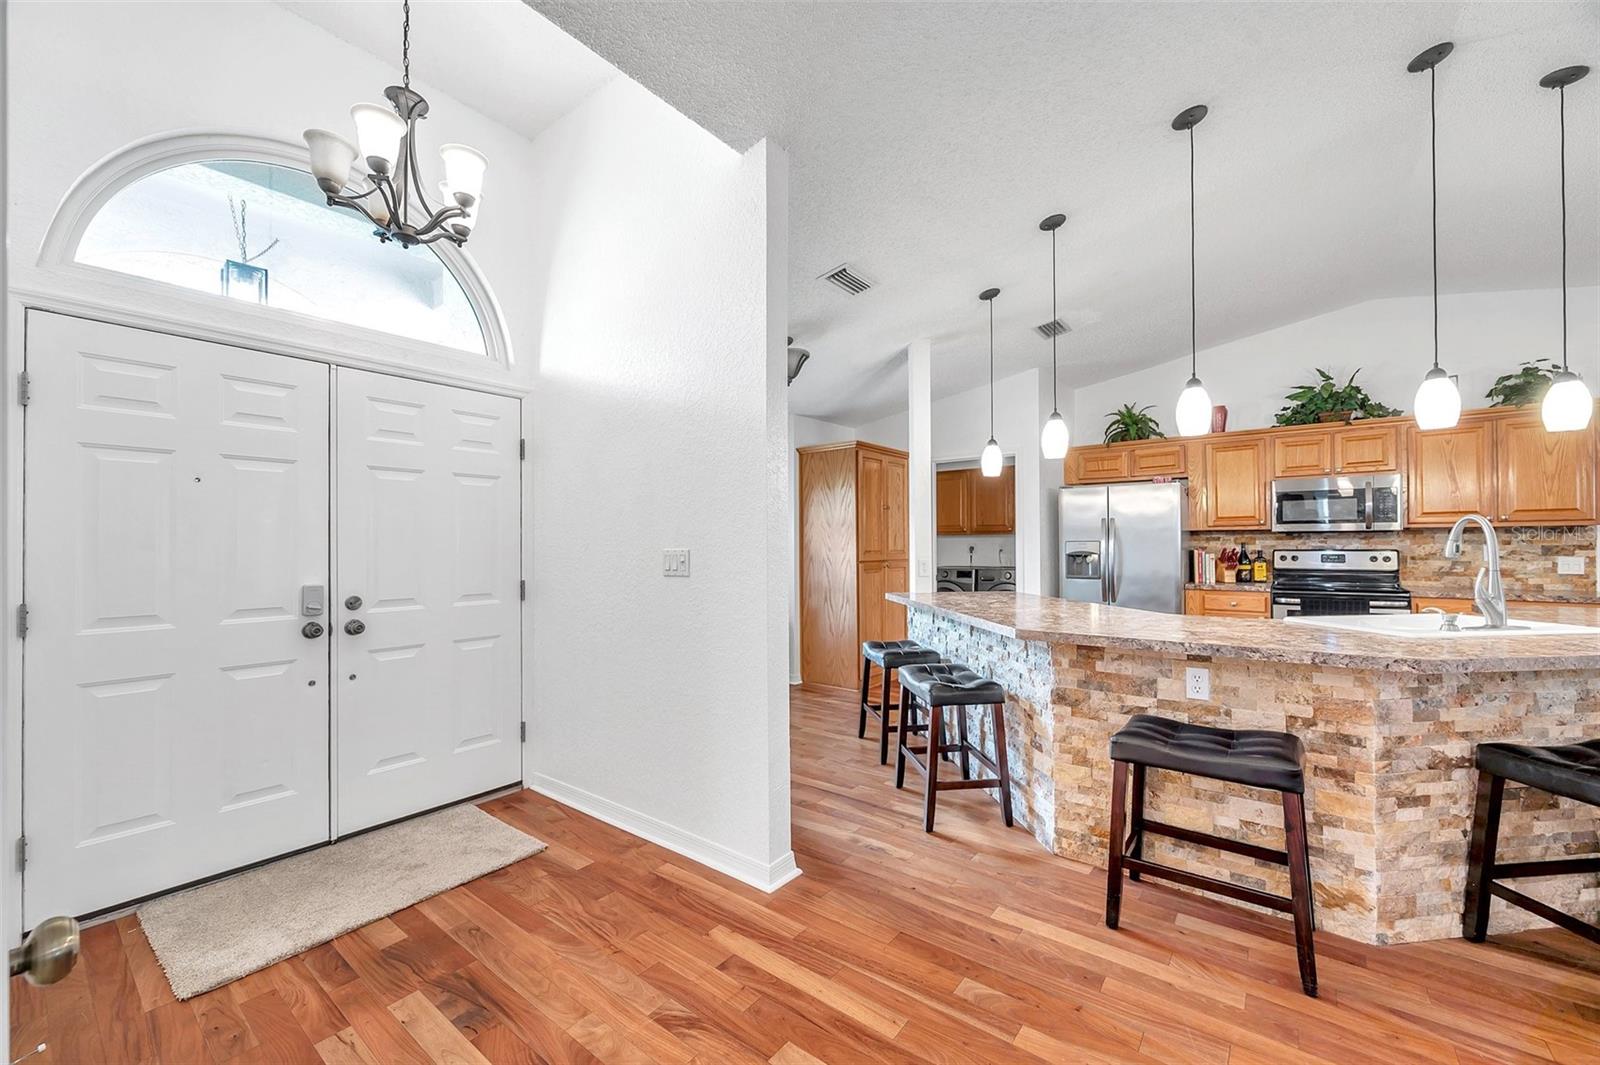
[(991, 462), (463, 172), (1194, 409), (1053, 437), (378, 132), (1568, 405), (331, 156), (1438, 402)]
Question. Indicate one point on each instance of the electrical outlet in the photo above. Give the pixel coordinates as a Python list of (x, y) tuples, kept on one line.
[(922, 567), (675, 562), (1197, 683), (1569, 564)]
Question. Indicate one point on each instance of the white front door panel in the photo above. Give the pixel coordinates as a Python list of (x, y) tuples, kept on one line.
[(175, 718), (428, 703)]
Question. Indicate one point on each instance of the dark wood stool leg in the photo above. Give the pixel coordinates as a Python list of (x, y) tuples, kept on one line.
[(866, 679), (1000, 760), (1136, 818), (1119, 793), (935, 741), (961, 738), (1480, 856), (900, 747), (1294, 831), (883, 717)]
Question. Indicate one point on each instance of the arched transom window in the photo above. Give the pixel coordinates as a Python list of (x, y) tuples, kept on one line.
[(263, 233)]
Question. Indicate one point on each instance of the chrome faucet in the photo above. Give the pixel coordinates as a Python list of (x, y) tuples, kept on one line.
[(1488, 594)]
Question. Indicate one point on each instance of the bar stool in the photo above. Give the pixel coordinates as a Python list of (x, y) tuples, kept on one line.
[(887, 655), (937, 687), (1257, 759), (1571, 771)]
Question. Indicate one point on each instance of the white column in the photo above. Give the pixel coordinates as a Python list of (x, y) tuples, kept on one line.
[(919, 402)]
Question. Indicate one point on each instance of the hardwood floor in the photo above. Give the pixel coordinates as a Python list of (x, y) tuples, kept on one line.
[(969, 945)]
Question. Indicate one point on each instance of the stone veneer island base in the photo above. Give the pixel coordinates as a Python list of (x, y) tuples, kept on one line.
[(1389, 726)]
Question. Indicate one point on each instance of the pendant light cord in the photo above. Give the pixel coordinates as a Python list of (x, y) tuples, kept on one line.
[(1563, 111), (991, 369), (1433, 150), (1194, 343), (1055, 397), (405, 44)]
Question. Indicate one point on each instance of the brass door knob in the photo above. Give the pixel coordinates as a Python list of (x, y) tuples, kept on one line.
[(49, 952), (355, 627)]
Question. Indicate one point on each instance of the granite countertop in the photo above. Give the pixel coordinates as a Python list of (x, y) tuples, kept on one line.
[(1033, 617), (1425, 590)]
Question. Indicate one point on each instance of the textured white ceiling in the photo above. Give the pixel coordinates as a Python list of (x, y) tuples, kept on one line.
[(496, 55), (926, 140)]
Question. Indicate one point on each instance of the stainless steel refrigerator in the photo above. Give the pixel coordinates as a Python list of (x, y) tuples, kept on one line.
[(1123, 544)]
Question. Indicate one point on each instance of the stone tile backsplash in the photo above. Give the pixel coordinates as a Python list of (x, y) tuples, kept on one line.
[(1528, 558)]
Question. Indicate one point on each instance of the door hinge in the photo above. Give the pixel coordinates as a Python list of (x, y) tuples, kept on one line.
[(24, 388), (22, 621), (22, 853), (522, 590), (524, 732), (522, 449)]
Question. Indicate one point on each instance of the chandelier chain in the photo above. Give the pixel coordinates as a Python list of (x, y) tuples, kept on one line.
[(405, 44)]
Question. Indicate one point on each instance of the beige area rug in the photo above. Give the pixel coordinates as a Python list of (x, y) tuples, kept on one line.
[(209, 935)]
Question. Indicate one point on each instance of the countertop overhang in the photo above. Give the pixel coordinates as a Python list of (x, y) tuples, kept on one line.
[(1051, 620)]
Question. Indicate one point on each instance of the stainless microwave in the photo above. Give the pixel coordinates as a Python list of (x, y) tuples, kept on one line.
[(1356, 503)]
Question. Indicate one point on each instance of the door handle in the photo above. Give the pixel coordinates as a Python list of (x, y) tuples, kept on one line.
[(352, 602), (312, 629), (49, 952), (1112, 559), (355, 627)]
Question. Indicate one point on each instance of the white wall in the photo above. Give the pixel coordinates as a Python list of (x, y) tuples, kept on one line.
[(661, 422), (1481, 336), (803, 432)]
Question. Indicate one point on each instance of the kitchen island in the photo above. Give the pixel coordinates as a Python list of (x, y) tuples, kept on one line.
[(1389, 725)]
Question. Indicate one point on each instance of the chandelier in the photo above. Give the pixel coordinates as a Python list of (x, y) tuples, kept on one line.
[(393, 199)]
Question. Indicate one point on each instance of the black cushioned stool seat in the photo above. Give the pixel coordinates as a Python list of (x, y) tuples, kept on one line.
[(943, 689), (889, 656), (1243, 756), (1571, 771), (1252, 757)]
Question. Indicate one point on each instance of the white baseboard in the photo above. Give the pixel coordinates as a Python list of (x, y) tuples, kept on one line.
[(764, 876)]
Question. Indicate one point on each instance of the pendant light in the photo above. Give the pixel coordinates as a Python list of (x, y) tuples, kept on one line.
[(1438, 402), (991, 461), (1194, 403), (1568, 405), (1053, 438)]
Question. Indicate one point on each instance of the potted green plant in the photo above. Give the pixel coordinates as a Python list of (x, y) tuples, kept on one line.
[(1329, 401), (1128, 423), (1526, 386)]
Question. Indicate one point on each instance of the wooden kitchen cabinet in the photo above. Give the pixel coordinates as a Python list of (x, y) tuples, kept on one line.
[(1165, 459), (1235, 482), (1543, 477), (1098, 464), (953, 503), (1307, 454), (853, 549), (994, 501), (1367, 449), (1450, 472), (1227, 603)]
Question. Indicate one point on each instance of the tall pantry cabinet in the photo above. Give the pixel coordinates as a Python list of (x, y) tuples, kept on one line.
[(854, 540)]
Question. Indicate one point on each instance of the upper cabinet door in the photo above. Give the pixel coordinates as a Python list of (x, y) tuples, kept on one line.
[(896, 533), (1097, 465), (1158, 460), (1368, 449), (1302, 454), (1235, 483), (953, 509), (1450, 472), (871, 486), (1544, 477), (994, 502)]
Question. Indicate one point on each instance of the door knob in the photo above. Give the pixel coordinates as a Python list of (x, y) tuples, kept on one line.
[(355, 626), (48, 953), (353, 603), (311, 630)]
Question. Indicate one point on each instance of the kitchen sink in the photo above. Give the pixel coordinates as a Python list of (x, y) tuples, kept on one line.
[(1426, 626)]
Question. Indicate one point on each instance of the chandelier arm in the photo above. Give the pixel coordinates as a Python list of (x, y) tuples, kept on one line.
[(386, 191), (443, 215), (416, 171), (356, 205), (443, 234)]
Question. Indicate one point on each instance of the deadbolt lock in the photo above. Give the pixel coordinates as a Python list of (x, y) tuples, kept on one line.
[(353, 603), (355, 626), (311, 630)]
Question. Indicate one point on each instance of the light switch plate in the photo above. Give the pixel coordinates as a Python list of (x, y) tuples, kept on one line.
[(1197, 683), (1569, 564), (922, 567), (675, 562)]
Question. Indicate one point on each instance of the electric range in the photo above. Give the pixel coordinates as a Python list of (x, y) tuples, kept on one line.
[(1322, 581)]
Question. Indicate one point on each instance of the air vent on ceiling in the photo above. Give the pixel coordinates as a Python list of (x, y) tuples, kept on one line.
[(843, 277), (1053, 328)]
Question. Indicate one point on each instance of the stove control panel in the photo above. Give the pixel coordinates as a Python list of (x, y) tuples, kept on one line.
[(1338, 560)]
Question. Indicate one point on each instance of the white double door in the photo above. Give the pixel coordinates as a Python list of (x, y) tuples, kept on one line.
[(182, 714)]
